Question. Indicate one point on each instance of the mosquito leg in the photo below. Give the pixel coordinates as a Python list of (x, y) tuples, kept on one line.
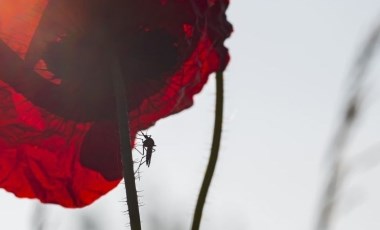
[(138, 167), (142, 154)]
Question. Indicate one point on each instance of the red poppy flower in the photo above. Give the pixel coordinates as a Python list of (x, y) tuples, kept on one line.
[(58, 131)]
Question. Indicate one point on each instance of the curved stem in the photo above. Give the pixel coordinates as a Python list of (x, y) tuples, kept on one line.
[(125, 145), (214, 152)]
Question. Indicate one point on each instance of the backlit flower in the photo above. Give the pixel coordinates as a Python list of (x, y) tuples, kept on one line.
[(58, 129)]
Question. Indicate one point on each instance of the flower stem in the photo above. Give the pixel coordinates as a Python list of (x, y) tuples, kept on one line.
[(125, 145), (214, 152)]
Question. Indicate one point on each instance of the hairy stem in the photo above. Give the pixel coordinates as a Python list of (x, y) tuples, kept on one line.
[(214, 152), (125, 145)]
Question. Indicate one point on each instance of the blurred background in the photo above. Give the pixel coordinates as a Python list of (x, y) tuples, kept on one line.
[(286, 89)]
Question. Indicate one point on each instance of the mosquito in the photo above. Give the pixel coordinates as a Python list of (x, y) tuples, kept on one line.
[(148, 146)]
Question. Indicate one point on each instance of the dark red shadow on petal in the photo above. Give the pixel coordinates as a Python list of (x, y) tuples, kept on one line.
[(76, 38), (100, 150)]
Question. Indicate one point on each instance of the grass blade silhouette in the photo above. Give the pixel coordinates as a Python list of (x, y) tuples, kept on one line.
[(335, 155)]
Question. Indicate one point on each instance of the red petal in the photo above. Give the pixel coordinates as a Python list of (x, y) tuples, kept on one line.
[(40, 155)]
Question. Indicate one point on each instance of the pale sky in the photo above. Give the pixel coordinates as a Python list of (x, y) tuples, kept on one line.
[(284, 94)]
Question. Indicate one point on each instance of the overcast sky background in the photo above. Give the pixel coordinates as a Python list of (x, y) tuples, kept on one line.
[(284, 92)]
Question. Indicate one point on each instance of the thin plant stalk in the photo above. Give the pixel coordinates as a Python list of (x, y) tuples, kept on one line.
[(125, 145), (336, 154), (213, 155)]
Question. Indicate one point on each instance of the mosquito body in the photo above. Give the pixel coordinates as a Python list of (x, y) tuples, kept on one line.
[(148, 147)]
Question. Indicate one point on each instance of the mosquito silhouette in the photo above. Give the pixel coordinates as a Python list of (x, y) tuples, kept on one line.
[(148, 147)]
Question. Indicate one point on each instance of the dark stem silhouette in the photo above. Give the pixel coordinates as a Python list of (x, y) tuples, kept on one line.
[(214, 153), (125, 145)]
